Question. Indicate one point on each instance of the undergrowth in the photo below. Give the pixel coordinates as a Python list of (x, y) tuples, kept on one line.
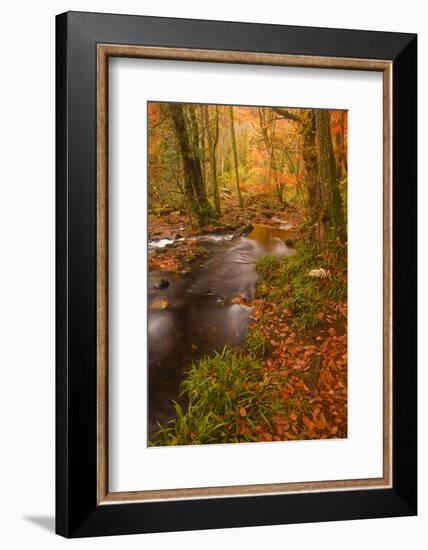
[(230, 400), (229, 396), (287, 280)]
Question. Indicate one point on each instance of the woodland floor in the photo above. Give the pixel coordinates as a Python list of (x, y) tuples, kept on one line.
[(302, 367)]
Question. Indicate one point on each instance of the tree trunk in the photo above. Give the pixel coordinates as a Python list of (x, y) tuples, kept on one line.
[(203, 144), (193, 182), (195, 138), (314, 190), (342, 145), (235, 156), (333, 212), (212, 145)]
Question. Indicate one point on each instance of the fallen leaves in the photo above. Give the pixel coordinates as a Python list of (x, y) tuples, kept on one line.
[(159, 304), (176, 258), (306, 370), (164, 262), (313, 369), (308, 423), (238, 300)]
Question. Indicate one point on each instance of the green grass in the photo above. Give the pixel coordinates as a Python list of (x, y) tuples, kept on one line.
[(267, 266), (225, 392), (255, 342), (287, 281)]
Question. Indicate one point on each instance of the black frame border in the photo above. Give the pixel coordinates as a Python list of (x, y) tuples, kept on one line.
[(77, 512)]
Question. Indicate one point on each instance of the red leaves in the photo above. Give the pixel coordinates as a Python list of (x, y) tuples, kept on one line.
[(308, 423), (313, 368), (285, 394)]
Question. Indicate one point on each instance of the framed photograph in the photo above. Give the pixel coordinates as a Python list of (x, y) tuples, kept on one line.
[(236, 274)]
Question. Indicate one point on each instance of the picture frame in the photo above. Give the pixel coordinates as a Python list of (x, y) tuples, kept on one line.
[(84, 44)]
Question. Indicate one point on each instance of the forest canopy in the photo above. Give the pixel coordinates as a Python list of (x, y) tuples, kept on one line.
[(203, 156)]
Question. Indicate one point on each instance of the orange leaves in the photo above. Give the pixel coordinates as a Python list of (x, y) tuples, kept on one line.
[(154, 113), (167, 263), (243, 428), (159, 304), (280, 426), (238, 300), (313, 370), (175, 259), (308, 423), (242, 411), (321, 423)]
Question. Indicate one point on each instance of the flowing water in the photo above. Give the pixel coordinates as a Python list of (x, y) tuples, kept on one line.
[(200, 318)]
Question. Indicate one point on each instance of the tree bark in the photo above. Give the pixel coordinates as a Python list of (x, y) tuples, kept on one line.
[(195, 138), (235, 157), (342, 145), (314, 190), (269, 141), (203, 144), (212, 145), (193, 182), (333, 209), (286, 114)]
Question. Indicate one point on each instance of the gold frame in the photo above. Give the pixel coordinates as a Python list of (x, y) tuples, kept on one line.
[(104, 51)]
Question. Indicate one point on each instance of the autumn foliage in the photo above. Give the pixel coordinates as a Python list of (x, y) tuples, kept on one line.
[(215, 169)]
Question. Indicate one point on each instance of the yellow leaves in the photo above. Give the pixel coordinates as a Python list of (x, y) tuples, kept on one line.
[(238, 300), (159, 304)]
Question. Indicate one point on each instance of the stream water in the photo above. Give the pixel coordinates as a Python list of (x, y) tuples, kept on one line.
[(200, 318)]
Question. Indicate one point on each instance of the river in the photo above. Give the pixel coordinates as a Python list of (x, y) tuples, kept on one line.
[(200, 318)]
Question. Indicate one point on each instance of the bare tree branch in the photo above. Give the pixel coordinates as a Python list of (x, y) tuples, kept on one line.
[(286, 114)]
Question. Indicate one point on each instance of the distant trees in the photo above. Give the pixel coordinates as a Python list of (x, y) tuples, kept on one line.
[(201, 156)]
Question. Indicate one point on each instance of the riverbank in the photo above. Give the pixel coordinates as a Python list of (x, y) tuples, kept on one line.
[(174, 244), (289, 378)]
